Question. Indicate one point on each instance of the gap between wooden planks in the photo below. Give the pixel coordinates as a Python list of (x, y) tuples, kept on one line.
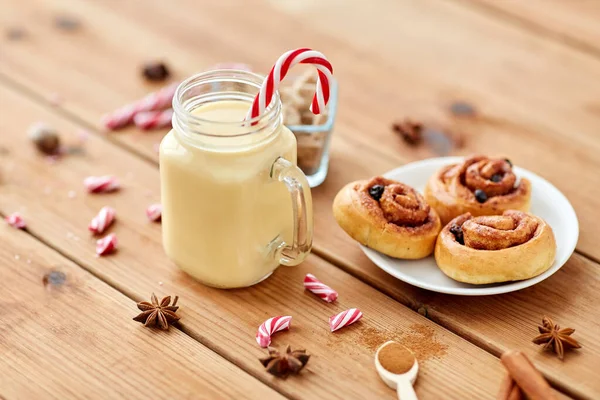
[(74, 338), (225, 321), (530, 92)]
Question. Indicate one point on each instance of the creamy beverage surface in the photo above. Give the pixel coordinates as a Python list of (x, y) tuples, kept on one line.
[(221, 208)]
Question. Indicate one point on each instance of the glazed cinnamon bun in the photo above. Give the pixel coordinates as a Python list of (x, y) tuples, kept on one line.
[(479, 185), (498, 248), (387, 216)]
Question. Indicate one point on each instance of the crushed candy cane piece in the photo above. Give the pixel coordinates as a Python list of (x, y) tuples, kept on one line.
[(344, 318), (319, 288), (269, 327), (16, 221), (154, 212), (106, 245), (101, 184), (103, 220)]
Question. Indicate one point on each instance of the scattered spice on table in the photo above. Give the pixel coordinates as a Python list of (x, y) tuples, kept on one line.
[(282, 364), (15, 33), (420, 339), (555, 338), (396, 358), (461, 108), (411, 132), (67, 22), (54, 278), (155, 71), (45, 138), (160, 315)]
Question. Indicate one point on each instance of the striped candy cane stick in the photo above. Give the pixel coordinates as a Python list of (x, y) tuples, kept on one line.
[(280, 70), (106, 245), (16, 221), (153, 119), (319, 288), (269, 327), (344, 318), (103, 220), (123, 116), (101, 184), (154, 212)]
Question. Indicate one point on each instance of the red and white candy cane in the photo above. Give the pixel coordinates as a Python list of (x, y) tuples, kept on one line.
[(16, 221), (269, 327), (280, 70), (153, 119), (344, 318), (123, 116), (103, 220), (319, 288), (106, 245), (101, 184), (154, 212)]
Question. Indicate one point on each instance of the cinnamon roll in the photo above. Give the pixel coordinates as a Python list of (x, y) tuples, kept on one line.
[(479, 185), (498, 248), (387, 216)]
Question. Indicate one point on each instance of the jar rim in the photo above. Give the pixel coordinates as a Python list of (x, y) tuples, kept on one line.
[(182, 114)]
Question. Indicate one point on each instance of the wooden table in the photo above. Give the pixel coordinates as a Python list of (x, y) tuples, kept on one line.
[(531, 70)]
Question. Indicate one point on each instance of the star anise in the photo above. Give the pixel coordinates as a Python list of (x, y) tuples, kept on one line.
[(282, 364), (158, 314), (411, 132), (551, 336)]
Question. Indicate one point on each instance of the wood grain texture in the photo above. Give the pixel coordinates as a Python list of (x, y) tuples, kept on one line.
[(72, 336), (575, 21), (533, 96), (225, 321)]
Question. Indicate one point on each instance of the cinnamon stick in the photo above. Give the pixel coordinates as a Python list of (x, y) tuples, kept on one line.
[(529, 379), (509, 390), (515, 393), (505, 388)]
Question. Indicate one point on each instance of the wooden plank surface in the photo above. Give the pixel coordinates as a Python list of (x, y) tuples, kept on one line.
[(453, 53), (225, 321), (72, 336), (574, 21), (534, 96)]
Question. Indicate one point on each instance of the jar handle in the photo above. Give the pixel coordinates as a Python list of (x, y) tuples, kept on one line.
[(296, 183)]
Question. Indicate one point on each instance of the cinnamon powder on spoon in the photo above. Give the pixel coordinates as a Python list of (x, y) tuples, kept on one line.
[(396, 358)]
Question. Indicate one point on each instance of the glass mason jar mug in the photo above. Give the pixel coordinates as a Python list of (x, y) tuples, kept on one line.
[(235, 205)]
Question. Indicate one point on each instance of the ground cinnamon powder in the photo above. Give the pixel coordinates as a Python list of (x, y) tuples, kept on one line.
[(420, 339), (396, 358)]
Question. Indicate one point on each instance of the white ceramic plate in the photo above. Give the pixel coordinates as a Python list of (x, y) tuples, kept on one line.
[(547, 202)]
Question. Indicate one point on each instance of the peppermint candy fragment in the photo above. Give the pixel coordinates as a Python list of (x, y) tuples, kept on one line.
[(319, 288), (106, 245), (101, 184), (154, 212), (103, 220), (269, 327), (344, 318), (16, 221)]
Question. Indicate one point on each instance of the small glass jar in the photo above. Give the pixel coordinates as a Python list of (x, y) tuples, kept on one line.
[(235, 205), (314, 140)]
